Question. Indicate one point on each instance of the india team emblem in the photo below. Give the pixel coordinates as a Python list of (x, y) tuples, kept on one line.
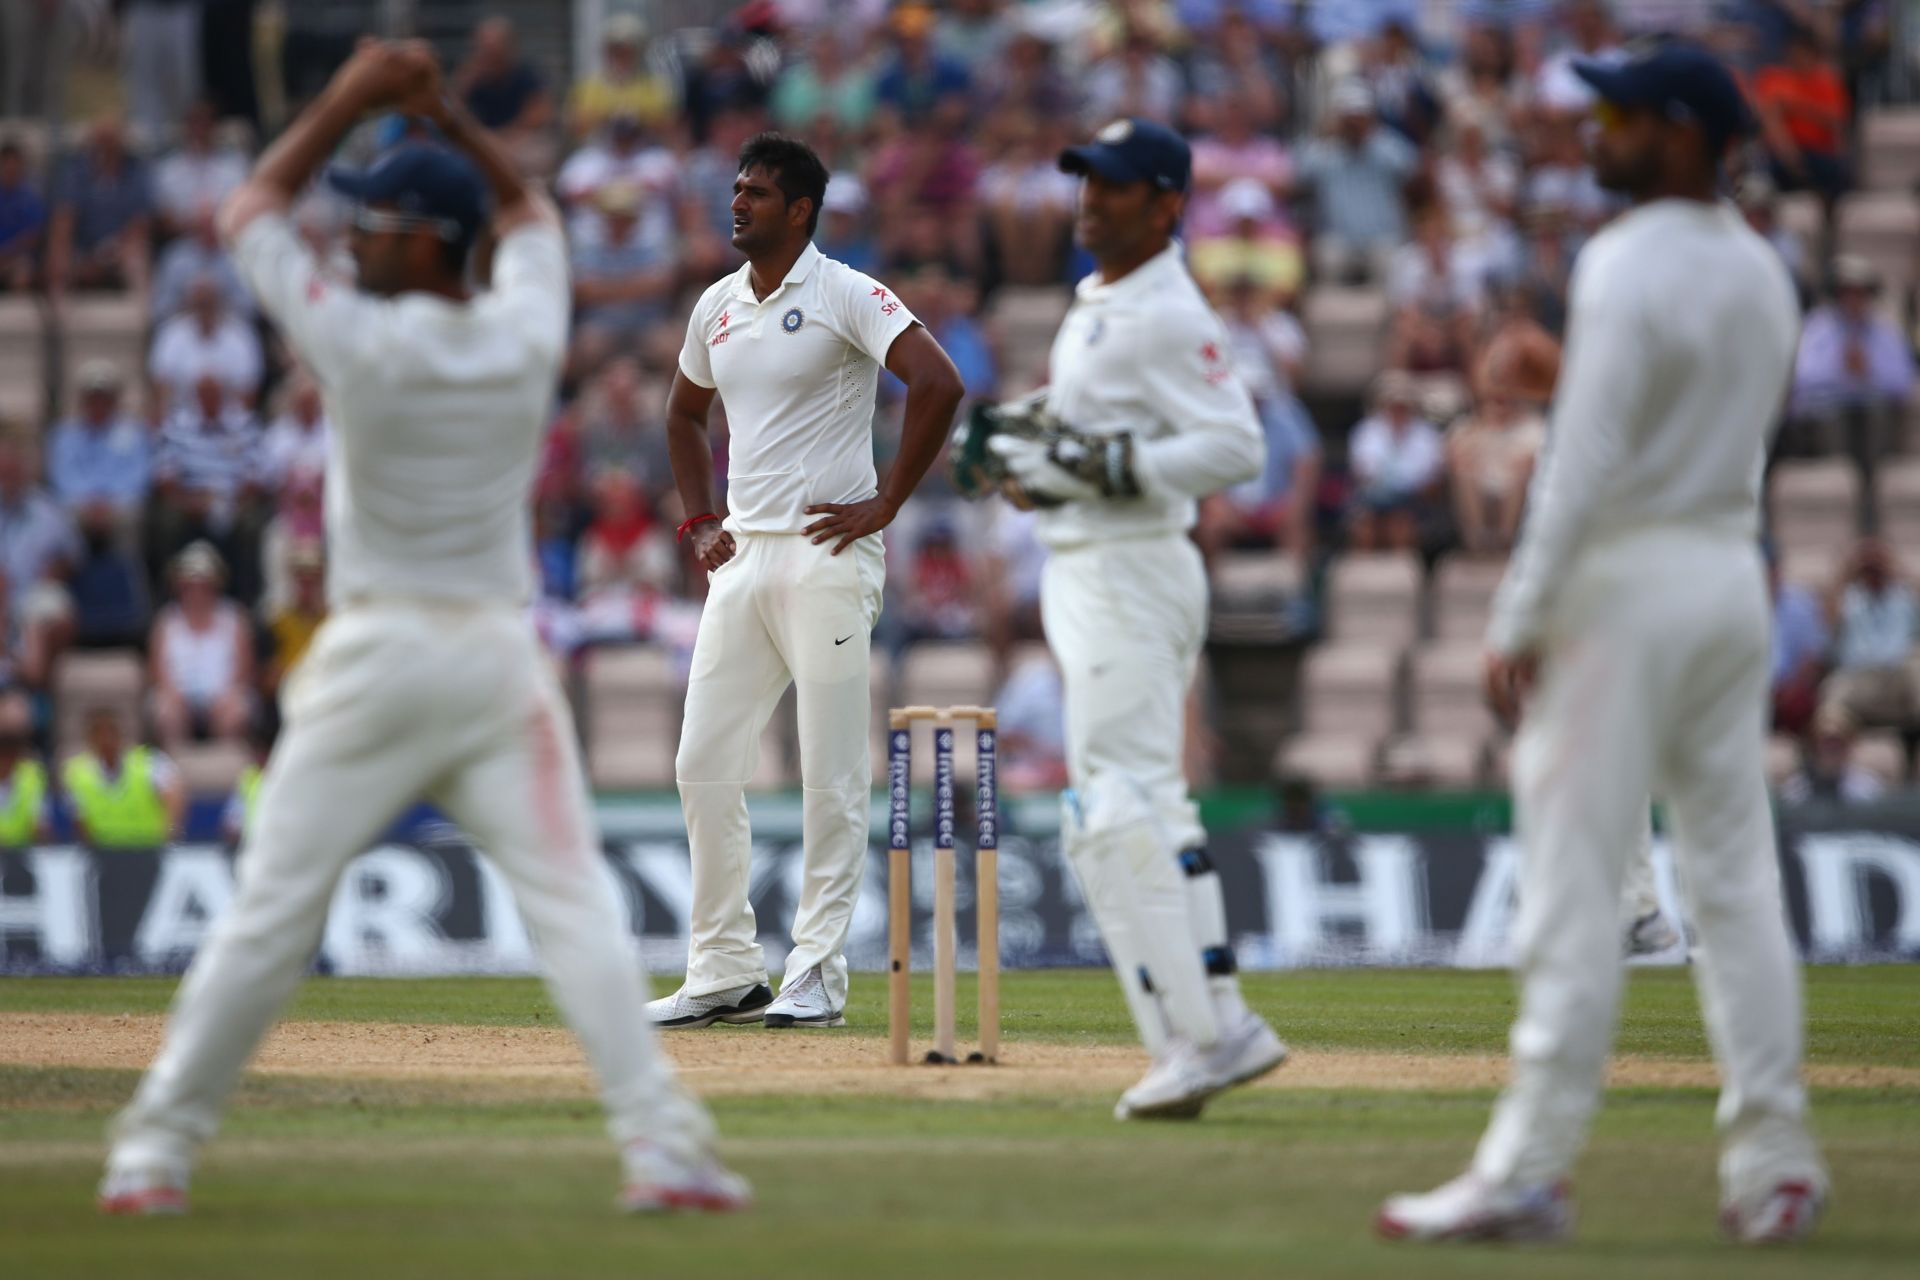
[(792, 321)]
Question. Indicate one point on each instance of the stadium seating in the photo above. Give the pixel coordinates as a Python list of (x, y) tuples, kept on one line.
[(1375, 598), (1890, 150), (1344, 328), (87, 680)]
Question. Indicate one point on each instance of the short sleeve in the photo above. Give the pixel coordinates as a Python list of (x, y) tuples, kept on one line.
[(867, 312), (327, 323), (695, 360)]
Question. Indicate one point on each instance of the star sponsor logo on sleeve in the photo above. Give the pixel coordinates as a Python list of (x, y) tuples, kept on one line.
[(887, 304), (1214, 364), (722, 335)]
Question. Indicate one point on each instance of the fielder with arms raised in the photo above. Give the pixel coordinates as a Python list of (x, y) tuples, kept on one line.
[(792, 343), (427, 679), (1634, 616), (1147, 417)]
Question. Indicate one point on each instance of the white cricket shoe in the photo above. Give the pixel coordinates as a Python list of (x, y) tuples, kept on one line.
[(803, 1003), (1651, 934), (1470, 1208), (143, 1192), (682, 1012), (1179, 1085), (1785, 1214), (661, 1180)]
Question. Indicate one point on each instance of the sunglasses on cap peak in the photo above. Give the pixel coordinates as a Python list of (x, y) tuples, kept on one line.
[(377, 221)]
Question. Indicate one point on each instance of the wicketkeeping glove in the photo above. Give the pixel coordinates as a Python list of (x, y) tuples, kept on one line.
[(1072, 466)]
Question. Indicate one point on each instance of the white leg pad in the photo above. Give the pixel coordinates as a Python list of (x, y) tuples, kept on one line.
[(1135, 887)]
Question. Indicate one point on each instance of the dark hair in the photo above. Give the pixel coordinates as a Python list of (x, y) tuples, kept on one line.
[(10, 148), (796, 170)]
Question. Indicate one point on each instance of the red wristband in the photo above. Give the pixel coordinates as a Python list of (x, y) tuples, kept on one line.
[(680, 535)]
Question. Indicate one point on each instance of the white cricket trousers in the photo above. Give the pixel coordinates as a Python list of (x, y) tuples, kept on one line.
[(1126, 620), (782, 611), (396, 701), (1654, 679)]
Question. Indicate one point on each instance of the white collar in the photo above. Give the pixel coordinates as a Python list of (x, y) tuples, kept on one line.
[(802, 268), (1142, 279)]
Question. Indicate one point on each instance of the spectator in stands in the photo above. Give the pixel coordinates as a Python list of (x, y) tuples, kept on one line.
[(1827, 772), (623, 154), (1357, 173), (846, 235), (291, 626), (295, 444), (622, 86), (945, 304), (1025, 82), (824, 85), (1800, 645), (625, 563), (621, 284), (195, 177), (206, 473), (937, 600), (38, 549), (1437, 297), (122, 799), (190, 258), (1234, 60), (620, 429), (1546, 266), (1803, 107), (1875, 617), (111, 606), (1135, 81), (1276, 509), (1033, 740), (1562, 181), (1011, 561), (99, 461), (1480, 190), (1392, 66), (23, 220), (916, 77), (200, 657), (1557, 90), (1253, 243), (1479, 85), (506, 94), (1398, 462), (554, 545), (1232, 154), (99, 235), (205, 341), (1026, 204), (24, 808), (1854, 374), (1491, 454)]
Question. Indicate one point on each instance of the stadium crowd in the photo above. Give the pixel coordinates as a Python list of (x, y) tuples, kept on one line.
[(1426, 156)]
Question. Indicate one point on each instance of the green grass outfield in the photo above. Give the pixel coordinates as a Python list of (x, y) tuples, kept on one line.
[(328, 1177)]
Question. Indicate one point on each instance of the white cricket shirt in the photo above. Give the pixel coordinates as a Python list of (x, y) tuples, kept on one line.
[(437, 407), (1680, 342), (1146, 354), (797, 373)]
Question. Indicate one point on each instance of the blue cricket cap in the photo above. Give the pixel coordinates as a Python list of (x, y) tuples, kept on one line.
[(1134, 151), (1681, 81), (424, 180)]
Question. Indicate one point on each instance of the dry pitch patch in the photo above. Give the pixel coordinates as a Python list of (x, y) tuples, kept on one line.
[(538, 1062)]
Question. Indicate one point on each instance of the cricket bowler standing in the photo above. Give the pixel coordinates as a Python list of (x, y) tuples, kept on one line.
[(1634, 621), (792, 343), (1143, 417), (427, 679)]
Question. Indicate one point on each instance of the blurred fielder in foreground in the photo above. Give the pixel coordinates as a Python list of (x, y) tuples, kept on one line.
[(1141, 417), (1634, 620), (428, 678)]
